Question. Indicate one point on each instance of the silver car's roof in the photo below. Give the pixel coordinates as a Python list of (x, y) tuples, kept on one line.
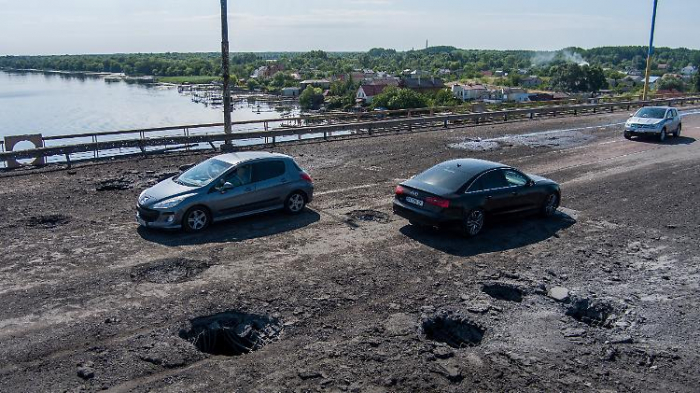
[(657, 107), (236, 158)]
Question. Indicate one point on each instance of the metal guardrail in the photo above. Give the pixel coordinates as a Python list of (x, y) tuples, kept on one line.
[(426, 119)]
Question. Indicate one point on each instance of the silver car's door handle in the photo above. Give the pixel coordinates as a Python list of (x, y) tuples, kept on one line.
[(283, 180), (248, 189)]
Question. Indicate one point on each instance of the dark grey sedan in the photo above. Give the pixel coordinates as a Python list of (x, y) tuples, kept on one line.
[(227, 186), (467, 191)]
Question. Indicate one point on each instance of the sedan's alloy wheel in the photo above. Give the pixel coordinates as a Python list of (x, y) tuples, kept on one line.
[(474, 222)]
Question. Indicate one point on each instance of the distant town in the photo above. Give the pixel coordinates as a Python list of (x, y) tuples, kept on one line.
[(387, 79)]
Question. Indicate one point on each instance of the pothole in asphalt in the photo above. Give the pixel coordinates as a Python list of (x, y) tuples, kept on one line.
[(591, 312), (231, 333), (368, 216), (48, 221), (503, 291), (114, 185), (169, 271), (452, 329)]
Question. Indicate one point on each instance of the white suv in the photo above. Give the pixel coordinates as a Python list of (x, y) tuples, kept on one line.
[(658, 121)]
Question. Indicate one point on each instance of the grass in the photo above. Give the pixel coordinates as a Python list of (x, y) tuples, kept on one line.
[(188, 79)]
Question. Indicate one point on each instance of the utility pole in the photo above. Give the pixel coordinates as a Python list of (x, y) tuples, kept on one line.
[(645, 96), (225, 70)]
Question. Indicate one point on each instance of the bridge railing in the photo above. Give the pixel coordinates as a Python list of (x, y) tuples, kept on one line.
[(146, 141)]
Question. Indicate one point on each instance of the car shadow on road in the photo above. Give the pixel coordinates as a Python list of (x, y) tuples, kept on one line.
[(681, 140), (500, 235), (235, 230)]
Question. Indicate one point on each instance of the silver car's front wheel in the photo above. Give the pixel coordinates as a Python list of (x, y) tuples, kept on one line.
[(196, 219), (295, 203)]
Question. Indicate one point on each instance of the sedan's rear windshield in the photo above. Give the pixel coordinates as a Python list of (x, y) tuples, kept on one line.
[(443, 176), (651, 113)]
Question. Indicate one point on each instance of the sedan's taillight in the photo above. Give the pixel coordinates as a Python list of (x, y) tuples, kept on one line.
[(439, 202), (305, 176), (400, 190)]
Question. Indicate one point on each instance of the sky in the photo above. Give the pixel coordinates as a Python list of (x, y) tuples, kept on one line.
[(31, 27)]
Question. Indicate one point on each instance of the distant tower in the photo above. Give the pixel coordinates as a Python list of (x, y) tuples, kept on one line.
[(426, 44)]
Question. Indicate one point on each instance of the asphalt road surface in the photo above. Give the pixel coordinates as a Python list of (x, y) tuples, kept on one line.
[(346, 297)]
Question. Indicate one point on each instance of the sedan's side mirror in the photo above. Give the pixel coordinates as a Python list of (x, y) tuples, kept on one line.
[(631, 114)]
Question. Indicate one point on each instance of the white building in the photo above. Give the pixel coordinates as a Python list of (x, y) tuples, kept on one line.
[(468, 92)]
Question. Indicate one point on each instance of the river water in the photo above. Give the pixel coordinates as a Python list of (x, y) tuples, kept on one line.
[(56, 104), (53, 104)]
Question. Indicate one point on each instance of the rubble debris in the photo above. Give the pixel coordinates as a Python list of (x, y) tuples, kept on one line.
[(119, 184), (591, 312), (368, 216), (559, 294)]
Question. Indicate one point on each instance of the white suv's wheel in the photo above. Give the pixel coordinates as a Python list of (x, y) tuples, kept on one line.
[(662, 136)]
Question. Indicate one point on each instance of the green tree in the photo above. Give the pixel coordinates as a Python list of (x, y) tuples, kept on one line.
[(311, 98), (671, 83), (396, 98)]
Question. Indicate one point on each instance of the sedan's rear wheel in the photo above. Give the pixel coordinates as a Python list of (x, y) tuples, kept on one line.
[(196, 219), (550, 206), (295, 203), (473, 222)]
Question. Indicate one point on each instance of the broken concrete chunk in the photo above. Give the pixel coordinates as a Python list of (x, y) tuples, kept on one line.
[(559, 294)]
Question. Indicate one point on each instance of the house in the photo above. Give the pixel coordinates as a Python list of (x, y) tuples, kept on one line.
[(652, 81), (514, 95), (662, 66), (429, 84), (486, 73), (468, 92), (689, 71), (531, 81), (291, 92), (383, 80), (366, 93), (500, 74), (267, 71), (320, 83), (444, 71)]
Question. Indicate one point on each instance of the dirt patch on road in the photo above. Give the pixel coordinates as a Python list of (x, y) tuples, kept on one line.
[(49, 221), (169, 271)]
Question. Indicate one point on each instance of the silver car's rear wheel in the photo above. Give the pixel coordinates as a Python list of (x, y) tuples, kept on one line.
[(196, 219), (473, 222), (678, 131), (295, 203)]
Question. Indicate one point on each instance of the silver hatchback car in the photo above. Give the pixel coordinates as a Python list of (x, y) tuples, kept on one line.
[(223, 187)]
